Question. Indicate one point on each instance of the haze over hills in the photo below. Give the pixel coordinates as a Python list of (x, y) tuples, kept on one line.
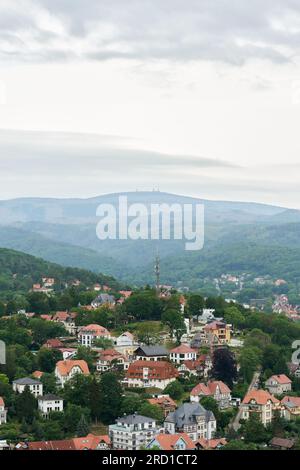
[(64, 231)]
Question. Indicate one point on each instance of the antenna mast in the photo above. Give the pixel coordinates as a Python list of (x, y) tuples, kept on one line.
[(157, 273)]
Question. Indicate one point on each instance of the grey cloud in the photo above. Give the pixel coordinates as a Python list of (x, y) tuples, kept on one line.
[(218, 30), (50, 153)]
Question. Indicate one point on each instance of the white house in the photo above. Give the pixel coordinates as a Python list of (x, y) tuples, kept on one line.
[(279, 384), (35, 386), (3, 411), (109, 358), (183, 353), (49, 403), (145, 374), (151, 353), (125, 340), (67, 369), (88, 334), (171, 442), (132, 432), (216, 389), (262, 404)]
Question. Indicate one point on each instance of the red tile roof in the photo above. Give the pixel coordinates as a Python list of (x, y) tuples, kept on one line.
[(183, 349), (65, 367), (90, 442), (66, 444), (61, 316), (96, 330), (53, 343), (159, 370), (2, 402), (37, 374), (210, 388), (294, 400), (215, 325), (193, 365), (282, 379), (169, 441), (46, 317), (161, 401), (211, 443), (261, 397)]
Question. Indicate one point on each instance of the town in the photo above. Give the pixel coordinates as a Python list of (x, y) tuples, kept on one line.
[(145, 368)]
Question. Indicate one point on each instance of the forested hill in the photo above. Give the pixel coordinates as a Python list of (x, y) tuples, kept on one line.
[(18, 271)]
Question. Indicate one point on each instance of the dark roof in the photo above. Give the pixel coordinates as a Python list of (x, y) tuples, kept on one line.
[(27, 381), (152, 351), (186, 414), (134, 419), (104, 298), (49, 396)]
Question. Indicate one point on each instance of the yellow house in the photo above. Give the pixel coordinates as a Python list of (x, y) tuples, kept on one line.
[(220, 330)]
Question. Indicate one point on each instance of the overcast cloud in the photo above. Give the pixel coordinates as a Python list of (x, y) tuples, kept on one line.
[(201, 97), (215, 30)]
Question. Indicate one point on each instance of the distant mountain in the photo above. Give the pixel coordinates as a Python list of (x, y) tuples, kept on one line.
[(55, 251), (78, 211), (64, 231)]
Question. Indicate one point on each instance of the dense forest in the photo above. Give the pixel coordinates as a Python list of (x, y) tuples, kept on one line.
[(18, 272)]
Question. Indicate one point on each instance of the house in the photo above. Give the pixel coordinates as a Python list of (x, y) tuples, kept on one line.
[(150, 374), (210, 444), (91, 442), (183, 353), (165, 402), (37, 374), (217, 331), (48, 281), (262, 403), (103, 299), (278, 384), (4, 445), (216, 389), (3, 412), (109, 358), (68, 353), (46, 317), (171, 442), (66, 444), (49, 403), (125, 293), (88, 334), (68, 320), (193, 419), (207, 315), (126, 344), (53, 343), (291, 407), (35, 386), (191, 368), (151, 353), (198, 368), (65, 370), (125, 340), (132, 432), (279, 443)]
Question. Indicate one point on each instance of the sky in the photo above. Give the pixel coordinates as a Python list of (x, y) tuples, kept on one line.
[(196, 97)]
